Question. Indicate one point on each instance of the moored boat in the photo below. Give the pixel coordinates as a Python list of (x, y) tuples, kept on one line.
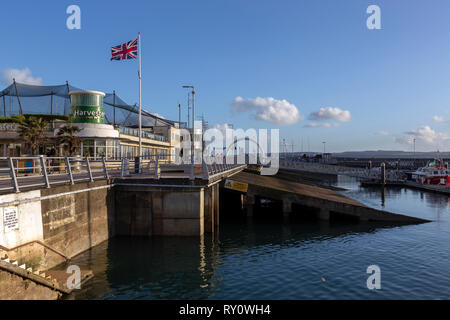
[(435, 172)]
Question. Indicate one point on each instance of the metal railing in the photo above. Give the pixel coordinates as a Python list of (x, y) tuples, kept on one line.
[(218, 165), (19, 173), (374, 173), (144, 134)]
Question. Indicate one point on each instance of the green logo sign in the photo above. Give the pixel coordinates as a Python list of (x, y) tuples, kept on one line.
[(87, 107), (87, 115)]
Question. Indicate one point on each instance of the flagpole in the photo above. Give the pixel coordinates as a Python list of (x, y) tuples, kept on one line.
[(140, 104)]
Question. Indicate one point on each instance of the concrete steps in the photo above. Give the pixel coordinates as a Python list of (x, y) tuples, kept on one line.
[(54, 279), (27, 272)]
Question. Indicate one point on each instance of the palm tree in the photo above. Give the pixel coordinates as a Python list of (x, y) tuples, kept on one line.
[(32, 130), (67, 136)]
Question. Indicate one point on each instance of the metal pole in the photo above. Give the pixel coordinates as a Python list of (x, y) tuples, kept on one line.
[(51, 103), (69, 170), (114, 107), (188, 120), (44, 171), (105, 171), (17, 94), (4, 106), (179, 115), (193, 134), (308, 146), (67, 86), (122, 168), (205, 170), (157, 167), (140, 101), (12, 172), (88, 167)]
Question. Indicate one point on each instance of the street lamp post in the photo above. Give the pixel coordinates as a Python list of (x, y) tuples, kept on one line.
[(193, 133), (179, 115)]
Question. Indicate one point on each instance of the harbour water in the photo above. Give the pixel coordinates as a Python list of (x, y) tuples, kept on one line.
[(276, 260)]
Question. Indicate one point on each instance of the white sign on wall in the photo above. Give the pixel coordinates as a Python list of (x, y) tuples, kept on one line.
[(10, 219), (8, 127)]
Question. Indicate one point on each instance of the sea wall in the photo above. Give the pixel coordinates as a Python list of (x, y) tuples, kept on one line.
[(159, 211), (22, 222), (44, 228), (75, 218)]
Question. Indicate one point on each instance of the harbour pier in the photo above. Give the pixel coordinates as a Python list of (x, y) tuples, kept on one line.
[(307, 202), (54, 209)]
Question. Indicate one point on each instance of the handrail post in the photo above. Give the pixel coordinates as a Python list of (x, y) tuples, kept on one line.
[(69, 170), (89, 170), (15, 185), (123, 168), (205, 169), (44, 171), (157, 176), (105, 171)]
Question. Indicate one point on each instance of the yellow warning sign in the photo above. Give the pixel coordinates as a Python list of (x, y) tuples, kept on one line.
[(236, 185)]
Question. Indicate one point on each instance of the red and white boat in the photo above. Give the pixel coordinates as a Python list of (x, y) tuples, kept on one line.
[(435, 172)]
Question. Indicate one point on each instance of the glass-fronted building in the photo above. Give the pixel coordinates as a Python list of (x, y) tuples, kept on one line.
[(96, 138)]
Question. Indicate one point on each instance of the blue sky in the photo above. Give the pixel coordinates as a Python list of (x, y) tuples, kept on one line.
[(313, 54)]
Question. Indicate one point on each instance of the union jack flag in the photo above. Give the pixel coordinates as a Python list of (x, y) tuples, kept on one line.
[(125, 51)]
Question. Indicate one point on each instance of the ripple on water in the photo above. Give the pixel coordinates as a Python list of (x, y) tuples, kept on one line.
[(273, 261)]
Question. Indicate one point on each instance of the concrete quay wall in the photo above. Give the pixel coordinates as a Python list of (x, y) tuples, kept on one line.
[(52, 225), (166, 210)]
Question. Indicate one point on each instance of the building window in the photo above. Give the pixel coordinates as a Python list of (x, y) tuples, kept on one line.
[(162, 154), (88, 149), (110, 149), (127, 151), (147, 153), (100, 148), (13, 150)]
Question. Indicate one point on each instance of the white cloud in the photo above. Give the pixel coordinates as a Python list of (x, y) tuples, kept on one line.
[(330, 113), (321, 125), (21, 76), (424, 134), (222, 127), (268, 109), (438, 119), (382, 133)]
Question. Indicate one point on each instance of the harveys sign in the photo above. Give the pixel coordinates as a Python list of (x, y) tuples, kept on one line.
[(87, 107)]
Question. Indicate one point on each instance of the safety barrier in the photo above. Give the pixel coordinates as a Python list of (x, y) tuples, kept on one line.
[(18, 173), (374, 173)]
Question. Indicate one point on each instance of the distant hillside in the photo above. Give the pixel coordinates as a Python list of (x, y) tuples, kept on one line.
[(389, 154)]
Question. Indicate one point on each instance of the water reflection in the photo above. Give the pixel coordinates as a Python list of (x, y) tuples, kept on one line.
[(190, 268), (274, 260), (428, 205)]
